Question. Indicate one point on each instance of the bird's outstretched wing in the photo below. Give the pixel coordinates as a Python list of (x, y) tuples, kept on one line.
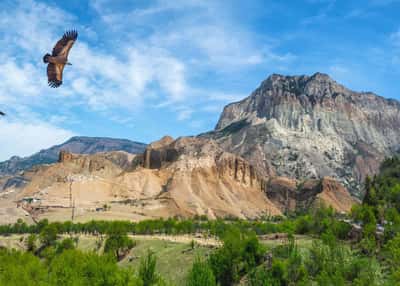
[(54, 74), (65, 43)]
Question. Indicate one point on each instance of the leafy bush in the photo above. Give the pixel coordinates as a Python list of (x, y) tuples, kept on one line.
[(201, 274), (48, 235), (118, 245), (147, 270), (240, 253), (71, 267), (31, 242)]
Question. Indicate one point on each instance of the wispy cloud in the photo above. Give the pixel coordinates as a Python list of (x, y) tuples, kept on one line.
[(181, 60), (24, 138), (171, 57)]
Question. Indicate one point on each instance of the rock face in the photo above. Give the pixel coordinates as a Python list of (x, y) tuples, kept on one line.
[(184, 177), (291, 194), (293, 143), (198, 178), (311, 127), (77, 145)]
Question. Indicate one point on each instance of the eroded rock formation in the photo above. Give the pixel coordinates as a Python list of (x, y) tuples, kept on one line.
[(311, 127)]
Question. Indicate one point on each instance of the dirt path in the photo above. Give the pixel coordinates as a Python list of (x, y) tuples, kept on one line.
[(184, 238), (181, 238)]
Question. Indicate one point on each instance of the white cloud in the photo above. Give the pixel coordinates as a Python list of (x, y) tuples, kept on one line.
[(123, 68), (206, 36), (223, 47), (97, 78), (184, 114), (20, 80), (32, 26), (26, 138)]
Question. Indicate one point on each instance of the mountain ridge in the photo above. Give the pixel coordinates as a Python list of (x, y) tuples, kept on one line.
[(76, 144), (294, 142), (311, 127), (173, 177)]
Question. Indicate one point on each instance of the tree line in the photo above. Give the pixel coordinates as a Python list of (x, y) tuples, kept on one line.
[(312, 222)]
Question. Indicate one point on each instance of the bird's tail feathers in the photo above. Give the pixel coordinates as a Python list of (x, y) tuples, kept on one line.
[(45, 58)]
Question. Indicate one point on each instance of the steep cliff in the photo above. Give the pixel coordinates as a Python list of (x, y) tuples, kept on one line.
[(184, 177), (311, 127)]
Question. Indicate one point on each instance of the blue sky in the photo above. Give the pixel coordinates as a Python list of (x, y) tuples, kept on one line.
[(144, 69)]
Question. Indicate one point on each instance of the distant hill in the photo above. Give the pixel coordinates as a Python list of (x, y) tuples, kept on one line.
[(77, 145)]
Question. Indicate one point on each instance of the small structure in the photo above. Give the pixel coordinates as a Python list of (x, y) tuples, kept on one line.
[(30, 200)]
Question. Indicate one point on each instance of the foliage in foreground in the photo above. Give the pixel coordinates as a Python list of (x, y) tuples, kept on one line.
[(372, 259), (201, 274), (379, 215), (71, 267)]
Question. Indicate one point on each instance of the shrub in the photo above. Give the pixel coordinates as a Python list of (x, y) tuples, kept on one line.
[(201, 274), (118, 245), (147, 270)]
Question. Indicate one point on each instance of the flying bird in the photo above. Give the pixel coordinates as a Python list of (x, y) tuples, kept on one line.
[(2, 113), (59, 58)]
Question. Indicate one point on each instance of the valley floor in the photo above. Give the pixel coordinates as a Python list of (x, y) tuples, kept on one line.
[(174, 254)]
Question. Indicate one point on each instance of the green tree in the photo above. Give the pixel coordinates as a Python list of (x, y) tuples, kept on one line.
[(48, 235), (31, 242), (392, 253), (118, 245), (225, 261), (240, 253), (65, 244), (72, 267), (201, 274), (21, 269), (147, 270)]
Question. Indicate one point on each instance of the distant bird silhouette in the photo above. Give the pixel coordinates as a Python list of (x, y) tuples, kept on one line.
[(59, 58), (2, 113)]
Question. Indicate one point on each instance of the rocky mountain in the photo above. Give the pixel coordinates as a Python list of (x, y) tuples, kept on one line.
[(311, 127), (296, 141), (77, 145), (183, 177)]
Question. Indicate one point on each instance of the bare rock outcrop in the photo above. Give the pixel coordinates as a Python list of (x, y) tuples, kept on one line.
[(290, 194), (293, 143), (199, 178), (183, 177), (311, 127)]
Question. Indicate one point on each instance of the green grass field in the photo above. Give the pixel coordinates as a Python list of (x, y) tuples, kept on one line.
[(302, 241), (174, 259)]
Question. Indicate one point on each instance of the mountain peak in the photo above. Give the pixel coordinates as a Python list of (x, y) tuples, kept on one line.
[(314, 127), (298, 83), (321, 76)]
